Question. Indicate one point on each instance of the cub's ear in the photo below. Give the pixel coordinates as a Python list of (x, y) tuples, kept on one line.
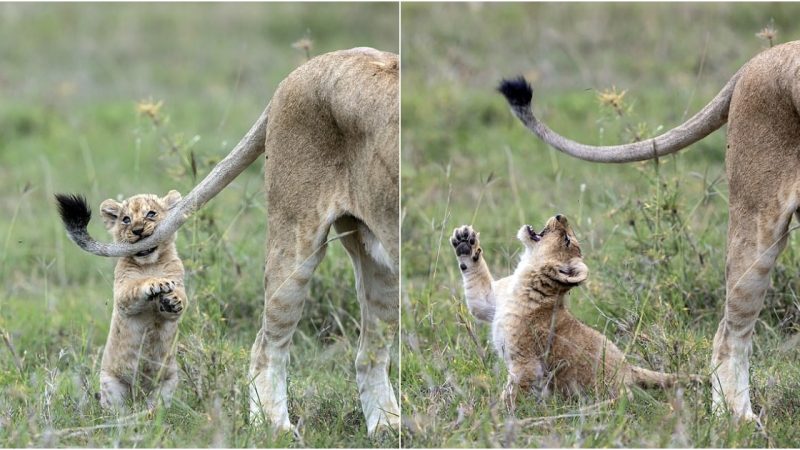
[(573, 273), (110, 209), (171, 199)]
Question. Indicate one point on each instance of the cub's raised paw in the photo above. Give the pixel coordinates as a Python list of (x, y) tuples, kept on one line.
[(157, 287), (170, 303), (466, 244)]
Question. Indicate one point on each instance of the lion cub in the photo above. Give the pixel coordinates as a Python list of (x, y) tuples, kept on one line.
[(148, 301), (544, 347)]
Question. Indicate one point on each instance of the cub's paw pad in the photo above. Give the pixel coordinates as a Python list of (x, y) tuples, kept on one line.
[(170, 304), (465, 242), (159, 287)]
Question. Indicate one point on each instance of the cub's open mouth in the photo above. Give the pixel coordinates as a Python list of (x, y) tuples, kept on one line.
[(146, 252), (532, 233)]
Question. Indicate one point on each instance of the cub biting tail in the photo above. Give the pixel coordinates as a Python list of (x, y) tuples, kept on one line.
[(149, 298)]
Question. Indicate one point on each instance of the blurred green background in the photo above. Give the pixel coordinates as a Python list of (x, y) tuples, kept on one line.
[(71, 79), (653, 235)]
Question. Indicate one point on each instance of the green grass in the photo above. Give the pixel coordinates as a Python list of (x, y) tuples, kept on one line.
[(653, 235), (70, 80)]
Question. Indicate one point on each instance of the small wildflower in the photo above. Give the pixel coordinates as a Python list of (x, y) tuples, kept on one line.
[(305, 45), (149, 108), (769, 33), (613, 98), (66, 89)]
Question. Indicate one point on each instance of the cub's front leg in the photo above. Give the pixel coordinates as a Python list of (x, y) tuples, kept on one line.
[(135, 297), (474, 272)]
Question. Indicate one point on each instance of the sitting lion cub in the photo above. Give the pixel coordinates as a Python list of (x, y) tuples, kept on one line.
[(148, 300), (543, 345)]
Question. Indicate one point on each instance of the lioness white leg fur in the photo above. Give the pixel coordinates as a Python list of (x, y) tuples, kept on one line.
[(377, 292)]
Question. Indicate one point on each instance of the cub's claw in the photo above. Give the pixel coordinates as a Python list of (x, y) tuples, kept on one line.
[(159, 287)]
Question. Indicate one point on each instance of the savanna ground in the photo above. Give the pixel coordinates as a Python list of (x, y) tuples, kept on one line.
[(653, 235), (80, 89)]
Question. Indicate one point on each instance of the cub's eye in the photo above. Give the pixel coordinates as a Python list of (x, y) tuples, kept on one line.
[(150, 214), (126, 220), (566, 240)]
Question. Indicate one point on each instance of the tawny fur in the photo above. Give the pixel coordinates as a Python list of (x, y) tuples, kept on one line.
[(149, 298), (331, 139), (761, 104), (545, 348)]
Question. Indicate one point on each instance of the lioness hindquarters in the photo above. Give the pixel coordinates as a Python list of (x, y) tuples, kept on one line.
[(332, 159)]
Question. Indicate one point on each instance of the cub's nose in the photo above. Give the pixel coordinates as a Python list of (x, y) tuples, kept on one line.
[(138, 231)]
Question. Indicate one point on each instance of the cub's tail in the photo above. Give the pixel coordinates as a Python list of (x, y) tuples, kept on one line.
[(649, 379)]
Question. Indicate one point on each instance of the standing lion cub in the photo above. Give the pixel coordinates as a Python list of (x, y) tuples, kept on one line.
[(148, 300), (544, 347)]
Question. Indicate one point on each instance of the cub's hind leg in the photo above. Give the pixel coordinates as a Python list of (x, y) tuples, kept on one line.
[(377, 292), (292, 257), (474, 272), (525, 374), (113, 392), (166, 389)]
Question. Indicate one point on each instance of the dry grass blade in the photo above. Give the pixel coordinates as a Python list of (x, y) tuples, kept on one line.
[(10, 345), (589, 410), (125, 421)]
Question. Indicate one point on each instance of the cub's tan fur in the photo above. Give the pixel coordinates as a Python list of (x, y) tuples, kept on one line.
[(760, 103), (149, 298), (544, 347), (331, 139)]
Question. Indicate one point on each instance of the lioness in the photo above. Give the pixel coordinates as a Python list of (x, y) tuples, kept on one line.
[(761, 105), (544, 346), (331, 140), (148, 301)]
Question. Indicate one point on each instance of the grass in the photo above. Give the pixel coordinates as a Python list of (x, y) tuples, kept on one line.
[(653, 234), (71, 79)]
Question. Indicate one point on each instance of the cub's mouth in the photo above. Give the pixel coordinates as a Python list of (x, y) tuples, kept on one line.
[(532, 234), (146, 252)]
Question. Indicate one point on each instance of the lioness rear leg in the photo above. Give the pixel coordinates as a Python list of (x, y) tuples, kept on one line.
[(754, 243), (474, 272), (377, 292), (291, 261)]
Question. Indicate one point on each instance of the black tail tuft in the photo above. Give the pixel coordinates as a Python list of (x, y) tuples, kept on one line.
[(518, 91), (74, 211)]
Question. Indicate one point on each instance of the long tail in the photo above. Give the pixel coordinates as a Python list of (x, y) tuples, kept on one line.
[(648, 378), (75, 212), (519, 94)]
